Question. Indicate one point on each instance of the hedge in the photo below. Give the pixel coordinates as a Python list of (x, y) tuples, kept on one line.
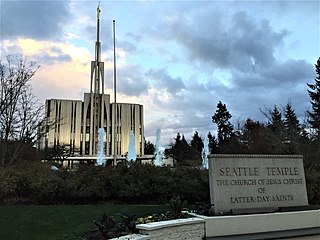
[(135, 183), (36, 183)]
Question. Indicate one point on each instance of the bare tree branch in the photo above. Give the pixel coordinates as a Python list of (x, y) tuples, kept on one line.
[(20, 111)]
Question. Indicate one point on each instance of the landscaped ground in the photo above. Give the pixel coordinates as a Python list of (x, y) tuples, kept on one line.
[(60, 222)]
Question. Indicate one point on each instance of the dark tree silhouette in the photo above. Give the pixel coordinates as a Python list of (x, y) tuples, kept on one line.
[(182, 153), (212, 143), (149, 147), (20, 112), (314, 93), (225, 128), (255, 137), (292, 130), (276, 129), (197, 143)]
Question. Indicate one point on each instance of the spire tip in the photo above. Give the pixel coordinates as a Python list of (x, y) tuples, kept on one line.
[(98, 10)]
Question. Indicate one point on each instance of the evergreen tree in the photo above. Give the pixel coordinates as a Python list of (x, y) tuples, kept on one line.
[(182, 153), (291, 122), (149, 147), (212, 143), (225, 128), (178, 138), (197, 143), (255, 137), (276, 130), (275, 120), (292, 129), (314, 93), (183, 140)]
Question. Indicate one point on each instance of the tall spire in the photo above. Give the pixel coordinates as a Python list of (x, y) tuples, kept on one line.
[(98, 44), (98, 22), (96, 92)]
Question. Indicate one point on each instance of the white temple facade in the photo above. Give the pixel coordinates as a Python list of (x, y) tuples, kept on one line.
[(74, 124)]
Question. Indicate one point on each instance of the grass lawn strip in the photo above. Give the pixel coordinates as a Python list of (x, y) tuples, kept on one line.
[(60, 222)]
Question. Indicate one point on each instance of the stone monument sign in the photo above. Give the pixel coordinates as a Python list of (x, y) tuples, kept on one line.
[(256, 181)]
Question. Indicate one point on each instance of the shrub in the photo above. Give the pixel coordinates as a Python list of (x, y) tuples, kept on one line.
[(89, 184), (176, 207), (9, 182), (204, 208), (37, 183)]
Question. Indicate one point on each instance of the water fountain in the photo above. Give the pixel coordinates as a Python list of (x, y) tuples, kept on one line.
[(158, 153), (54, 168), (101, 158), (204, 153), (132, 148)]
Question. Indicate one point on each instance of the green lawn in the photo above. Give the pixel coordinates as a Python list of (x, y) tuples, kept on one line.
[(60, 222)]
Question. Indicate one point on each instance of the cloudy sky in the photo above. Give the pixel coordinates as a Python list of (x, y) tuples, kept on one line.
[(177, 58)]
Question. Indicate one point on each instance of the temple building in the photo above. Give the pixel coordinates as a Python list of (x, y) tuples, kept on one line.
[(74, 124)]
